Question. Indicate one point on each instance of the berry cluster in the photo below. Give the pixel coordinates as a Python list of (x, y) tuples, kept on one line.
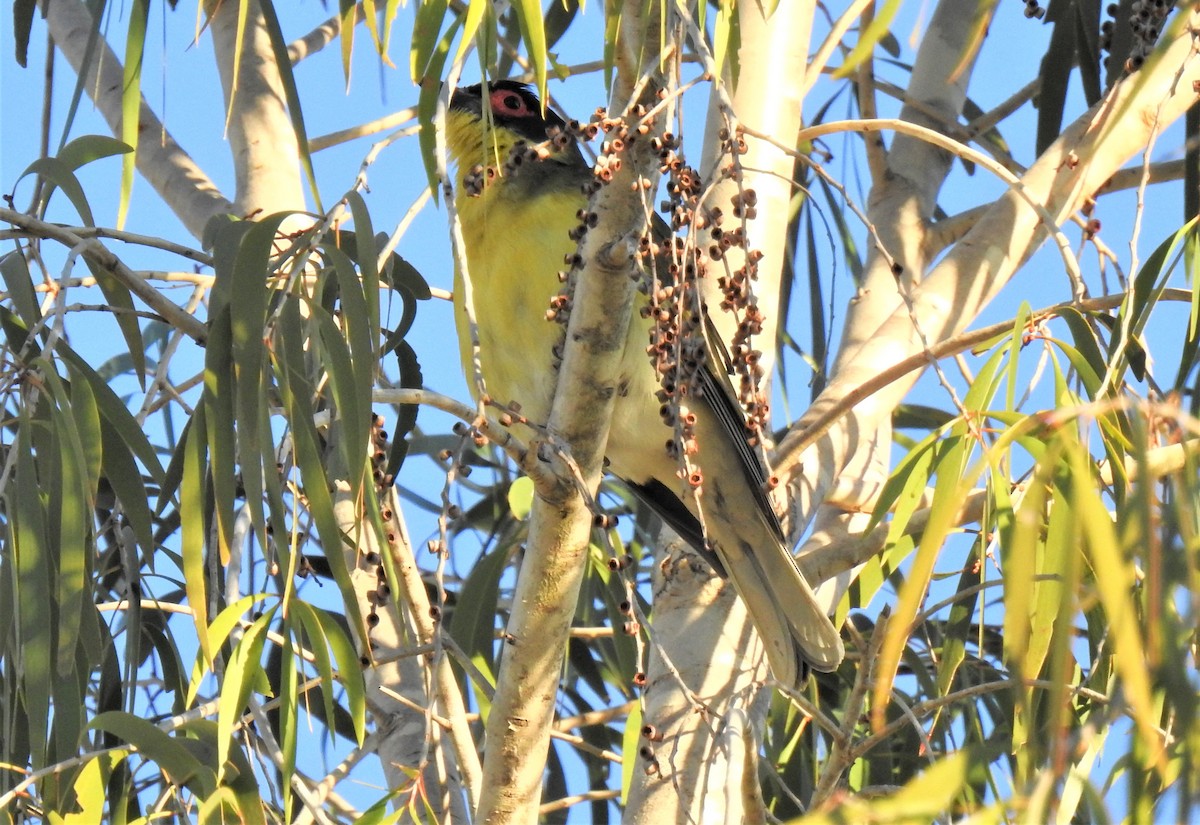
[(1146, 21), (672, 269), (378, 597), (680, 345)]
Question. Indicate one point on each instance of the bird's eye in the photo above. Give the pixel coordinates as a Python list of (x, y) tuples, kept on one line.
[(505, 102)]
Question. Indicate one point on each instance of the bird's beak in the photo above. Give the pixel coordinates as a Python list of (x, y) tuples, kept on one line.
[(467, 99)]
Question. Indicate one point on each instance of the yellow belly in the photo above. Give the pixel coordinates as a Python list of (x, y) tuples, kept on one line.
[(514, 253)]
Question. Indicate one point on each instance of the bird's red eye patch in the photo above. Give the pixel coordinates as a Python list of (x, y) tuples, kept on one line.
[(509, 103)]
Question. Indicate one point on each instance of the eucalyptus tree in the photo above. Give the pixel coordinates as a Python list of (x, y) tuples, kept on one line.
[(250, 568)]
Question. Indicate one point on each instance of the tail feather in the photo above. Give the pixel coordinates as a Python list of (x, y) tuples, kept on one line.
[(795, 630)]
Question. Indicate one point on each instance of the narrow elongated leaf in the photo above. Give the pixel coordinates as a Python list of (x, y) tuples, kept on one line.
[(430, 17), (124, 427), (194, 524), (348, 15), (34, 600), (349, 668), (242, 671), (218, 633), (368, 267), (75, 500), (19, 285), (297, 394), (1114, 577), (60, 176), (22, 24), (867, 40), (131, 100), (169, 753), (427, 107)]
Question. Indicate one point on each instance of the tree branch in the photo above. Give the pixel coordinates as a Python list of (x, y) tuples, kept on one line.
[(266, 155), (178, 180), (518, 729), (983, 262), (102, 256)]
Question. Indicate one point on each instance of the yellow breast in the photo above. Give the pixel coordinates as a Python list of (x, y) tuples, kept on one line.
[(514, 252)]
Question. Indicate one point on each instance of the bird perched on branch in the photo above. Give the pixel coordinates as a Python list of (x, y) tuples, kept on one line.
[(519, 212)]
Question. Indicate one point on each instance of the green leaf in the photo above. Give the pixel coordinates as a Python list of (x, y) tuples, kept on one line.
[(958, 625), (131, 100), (348, 17), (520, 497), (89, 788), (217, 633), (169, 753), (22, 24), (19, 284), (350, 669), (427, 107), (310, 635), (75, 503), (35, 605), (927, 798), (431, 15), (368, 267), (1114, 576), (1055, 73), (344, 389), (60, 176), (193, 537), (475, 14), (289, 698), (867, 40), (630, 741), (241, 673), (473, 622), (297, 393), (124, 427), (87, 148)]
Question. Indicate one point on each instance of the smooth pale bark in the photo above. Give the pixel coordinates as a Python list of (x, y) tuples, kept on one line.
[(716, 658), (716, 668), (266, 155), (900, 209), (973, 272)]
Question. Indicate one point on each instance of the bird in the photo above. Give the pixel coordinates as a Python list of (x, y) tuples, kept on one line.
[(517, 214)]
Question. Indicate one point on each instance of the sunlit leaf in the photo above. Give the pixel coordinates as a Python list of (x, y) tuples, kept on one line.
[(180, 766), (242, 671)]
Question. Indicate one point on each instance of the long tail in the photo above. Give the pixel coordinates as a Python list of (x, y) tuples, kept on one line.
[(796, 632)]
